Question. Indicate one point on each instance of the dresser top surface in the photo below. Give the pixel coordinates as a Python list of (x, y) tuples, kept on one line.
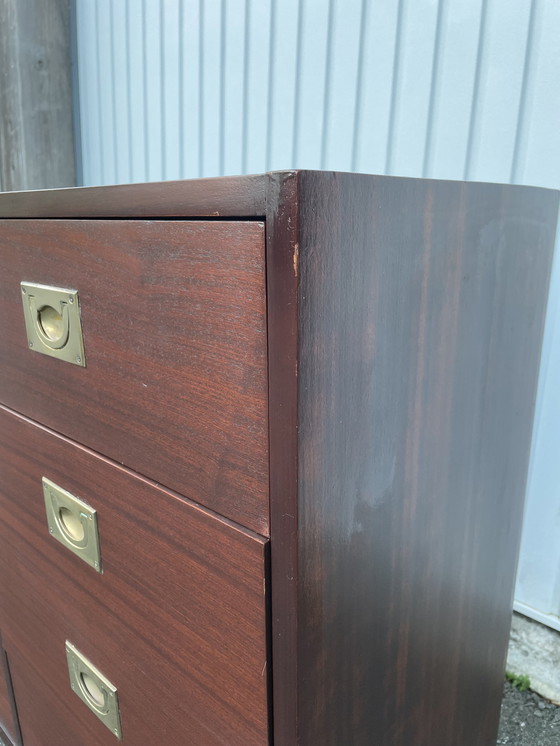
[(249, 196)]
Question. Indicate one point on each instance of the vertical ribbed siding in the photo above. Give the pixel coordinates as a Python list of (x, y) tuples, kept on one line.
[(450, 89)]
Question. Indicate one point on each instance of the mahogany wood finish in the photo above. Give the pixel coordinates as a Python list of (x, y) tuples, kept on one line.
[(226, 196), (9, 726), (421, 310), (282, 296), (404, 321), (173, 317), (177, 620)]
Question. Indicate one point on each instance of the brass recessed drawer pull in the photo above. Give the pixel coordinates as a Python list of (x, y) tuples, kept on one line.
[(52, 322), (94, 689), (73, 523)]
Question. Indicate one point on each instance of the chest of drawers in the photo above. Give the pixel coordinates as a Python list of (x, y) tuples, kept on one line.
[(274, 494)]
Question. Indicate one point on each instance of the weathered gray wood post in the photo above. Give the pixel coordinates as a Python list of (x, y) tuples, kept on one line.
[(36, 123)]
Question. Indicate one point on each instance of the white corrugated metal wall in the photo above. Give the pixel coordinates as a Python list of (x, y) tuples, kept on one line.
[(459, 89)]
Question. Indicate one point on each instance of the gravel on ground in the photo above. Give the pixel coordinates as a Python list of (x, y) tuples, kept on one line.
[(528, 720)]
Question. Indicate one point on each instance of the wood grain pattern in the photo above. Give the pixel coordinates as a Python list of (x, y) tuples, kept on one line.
[(421, 309), (173, 316), (282, 315), (177, 621), (226, 196), (404, 323), (9, 726)]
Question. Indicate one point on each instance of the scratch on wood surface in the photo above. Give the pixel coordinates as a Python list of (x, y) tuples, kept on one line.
[(296, 258)]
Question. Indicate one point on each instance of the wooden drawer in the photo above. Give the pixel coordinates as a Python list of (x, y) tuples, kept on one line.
[(177, 620), (173, 318)]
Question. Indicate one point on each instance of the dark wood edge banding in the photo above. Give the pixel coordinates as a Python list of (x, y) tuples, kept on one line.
[(282, 309), (5, 671)]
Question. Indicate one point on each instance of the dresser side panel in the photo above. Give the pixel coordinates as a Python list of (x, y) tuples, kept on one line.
[(421, 309)]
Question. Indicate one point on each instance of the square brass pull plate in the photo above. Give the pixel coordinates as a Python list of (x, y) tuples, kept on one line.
[(73, 523), (53, 323), (94, 689)]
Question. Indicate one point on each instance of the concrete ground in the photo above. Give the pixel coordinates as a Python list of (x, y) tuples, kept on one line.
[(534, 651), (532, 717)]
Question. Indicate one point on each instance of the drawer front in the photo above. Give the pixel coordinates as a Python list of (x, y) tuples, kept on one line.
[(176, 621), (174, 336)]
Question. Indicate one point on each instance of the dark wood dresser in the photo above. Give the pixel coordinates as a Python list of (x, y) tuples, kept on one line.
[(263, 450)]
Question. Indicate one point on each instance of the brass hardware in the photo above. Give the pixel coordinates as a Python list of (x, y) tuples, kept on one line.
[(94, 689), (73, 523), (52, 322)]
